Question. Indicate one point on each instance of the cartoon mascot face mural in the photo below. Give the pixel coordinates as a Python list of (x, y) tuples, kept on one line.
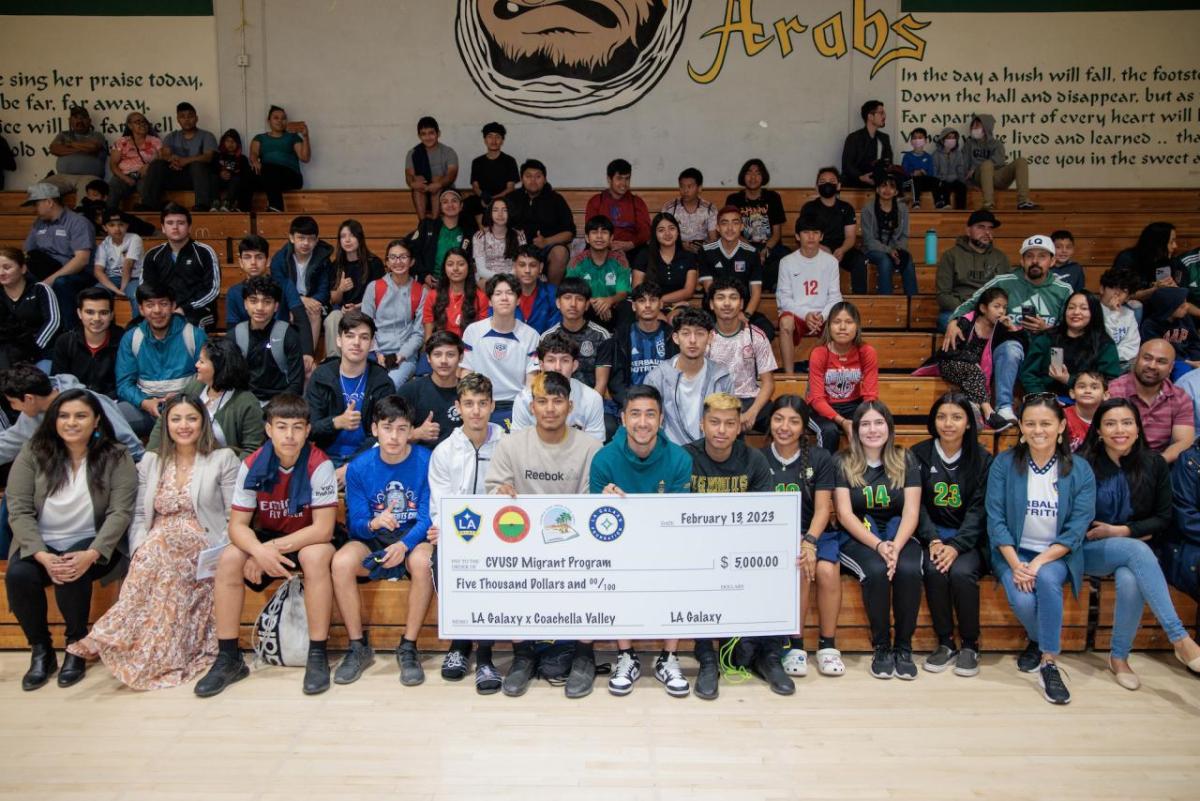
[(566, 59)]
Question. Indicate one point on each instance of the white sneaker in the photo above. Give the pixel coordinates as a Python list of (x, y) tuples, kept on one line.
[(829, 662), (1007, 413), (795, 662), (624, 675), (671, 675)]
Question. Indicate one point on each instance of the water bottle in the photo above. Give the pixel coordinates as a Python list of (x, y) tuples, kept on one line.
[(931, 250)]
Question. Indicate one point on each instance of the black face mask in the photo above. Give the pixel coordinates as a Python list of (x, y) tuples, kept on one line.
[(827, 190)]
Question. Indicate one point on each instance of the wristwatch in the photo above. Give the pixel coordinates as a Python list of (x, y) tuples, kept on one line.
[(810, 539)]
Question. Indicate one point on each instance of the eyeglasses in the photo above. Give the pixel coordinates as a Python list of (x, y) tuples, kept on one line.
[(399, 257)]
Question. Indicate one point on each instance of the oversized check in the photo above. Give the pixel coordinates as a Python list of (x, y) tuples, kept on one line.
[(604, 567)]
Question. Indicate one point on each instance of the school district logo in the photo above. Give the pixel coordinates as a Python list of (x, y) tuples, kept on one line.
[(606, 524), (567, 59), (558, 525), (511, 524), (466, 524)]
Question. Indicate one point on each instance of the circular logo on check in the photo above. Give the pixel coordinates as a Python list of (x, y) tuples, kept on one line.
[(606, 524)]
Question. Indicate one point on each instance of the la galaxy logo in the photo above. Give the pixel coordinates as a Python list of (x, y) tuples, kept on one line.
[(606, 524), (466, 524)]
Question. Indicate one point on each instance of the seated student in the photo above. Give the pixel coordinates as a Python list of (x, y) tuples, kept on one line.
[(156, 357), (640, 459), (1089, 390), (1166, 410), (496, 244), (271, 346), (1065, 266), (558, 353), (666, 263), (878, 498), (536, 305), (595, 343), (797, 467), (952, 166), (90, 352), (1040, 504), (387, 512), (282, 520), (545, 217), (1151, 259), (697, 217), (626, 212), (304, 261), (184, 162), (885, 237), (964, 365), (843, 372), (501, 347), (432, 239), (954, 470), (730, 257), (456, 300), (638, 346), (1120, 321), (231, 174), (190, 269), (1084, 343), (70, 498), (990, 168), (253, 258), (606, 275), (493, 174), (1133, 507), (867, 152), (161, 633), (550, 442), (685, 380), (918, 168), (93, 203), (433, 397), (722, 462), (809, 286), (354, 268), (429, 168), (1165, 316), (397, 304), (344, 390), (117, 264), (275, 157), (838, 225), (459, 466), (762, 215), (745, 350), (222, 386), (29, 314)]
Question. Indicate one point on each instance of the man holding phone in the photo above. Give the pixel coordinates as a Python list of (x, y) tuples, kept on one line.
[(1036, 298)]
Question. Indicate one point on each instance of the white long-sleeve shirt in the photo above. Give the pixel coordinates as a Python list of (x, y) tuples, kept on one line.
[(808, 285)]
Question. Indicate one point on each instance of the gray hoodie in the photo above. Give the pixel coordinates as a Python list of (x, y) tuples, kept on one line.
[(11, 439), (954, 165), (989, 148), (683, 425), (872, 236)]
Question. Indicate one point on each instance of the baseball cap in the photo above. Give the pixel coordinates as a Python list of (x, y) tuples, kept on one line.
[(114, 215), (1038, 242), (982, 216), (41, 191)]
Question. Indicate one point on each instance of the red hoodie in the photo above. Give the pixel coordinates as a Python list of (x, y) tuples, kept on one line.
[(629, 216)]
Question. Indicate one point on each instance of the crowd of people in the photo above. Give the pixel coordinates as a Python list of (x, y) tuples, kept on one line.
[(482, 345)]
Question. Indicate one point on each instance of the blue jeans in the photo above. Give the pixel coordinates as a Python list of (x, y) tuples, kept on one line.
[(886, 266), (943, 321), (1006, 366), (1040, 611), (1139, 581)]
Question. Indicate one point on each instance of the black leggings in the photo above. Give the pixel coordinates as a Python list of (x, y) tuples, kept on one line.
[(26, 581), (827, 430), (276, 179), (955, 594), (968, 376), (901, 595)]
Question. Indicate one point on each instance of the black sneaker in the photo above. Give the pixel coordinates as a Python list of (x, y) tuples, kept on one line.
[(582, 675), (487, 678), (768, 666), (454, 666), (1030, 658), (902, 661), (360, 657), (1053, 688), (520, 673), (411, 672), (708, 679), (225, 671), (967, 663), (997, 422), (1027, 205), (940, 659), (316, 673), (883, 666)]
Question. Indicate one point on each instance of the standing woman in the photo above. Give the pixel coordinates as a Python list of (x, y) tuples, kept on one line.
[(70, 500), (275, 157), (878, 501), (843, 372), (161, 632), (1040, 503), (797, 467), (954, 472), (29, 315), (495, 245), (354, 268), (667, 264), (1133, 505)]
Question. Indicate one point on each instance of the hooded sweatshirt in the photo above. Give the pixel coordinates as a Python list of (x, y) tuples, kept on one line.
[(1048, 298), (989, 148), (457, 467), (962, 270), (953, 165), (682, 425), (1157, 322), (668, 468)]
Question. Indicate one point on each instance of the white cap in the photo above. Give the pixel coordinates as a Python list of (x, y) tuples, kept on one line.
[(1038, 242)]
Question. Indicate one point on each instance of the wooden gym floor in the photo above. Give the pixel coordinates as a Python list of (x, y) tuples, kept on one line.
[(854, 737)]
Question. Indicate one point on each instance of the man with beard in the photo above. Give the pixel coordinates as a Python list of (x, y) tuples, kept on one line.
[(1165, 409), (967, 266), (81, 153), (1036, 298)]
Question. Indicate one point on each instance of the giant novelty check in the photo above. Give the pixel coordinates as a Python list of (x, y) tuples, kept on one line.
[(603, 567)]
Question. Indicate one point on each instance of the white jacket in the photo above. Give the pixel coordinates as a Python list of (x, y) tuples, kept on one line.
[(808, 285), (587, 410), (211, 491), (457, 468)]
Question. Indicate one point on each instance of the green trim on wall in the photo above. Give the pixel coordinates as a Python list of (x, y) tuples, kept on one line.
[(1034, 6), (108, 8)]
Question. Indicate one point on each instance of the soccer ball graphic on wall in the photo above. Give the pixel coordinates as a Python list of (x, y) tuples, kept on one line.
[(567, 59)]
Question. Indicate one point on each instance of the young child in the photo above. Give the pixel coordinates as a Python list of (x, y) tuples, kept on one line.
[(1088, 392), (951, 164), (809, 286), (254, 258), (271, 346), (842, 373), (536, 306), (232, 170), (964, 365), (397, 304), (1065, 267), (1116, 287), (607, 275), (118, 259), (745, 350), (918, 166)]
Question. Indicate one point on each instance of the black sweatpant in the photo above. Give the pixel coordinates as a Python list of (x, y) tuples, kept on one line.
[(26, 582), (827, 430), (855, 263), (955, 594), (275, 179), (900, 597)]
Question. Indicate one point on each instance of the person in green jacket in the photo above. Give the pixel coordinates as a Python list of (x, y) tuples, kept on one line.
[(1078, 343), (964, 268)]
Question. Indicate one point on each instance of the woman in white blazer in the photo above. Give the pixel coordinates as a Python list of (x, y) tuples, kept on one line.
[(161, 631)]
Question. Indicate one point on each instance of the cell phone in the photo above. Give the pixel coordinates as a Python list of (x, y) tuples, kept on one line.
[(1028, 311), (294, 127), (1056, 357), (1162, 273)]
